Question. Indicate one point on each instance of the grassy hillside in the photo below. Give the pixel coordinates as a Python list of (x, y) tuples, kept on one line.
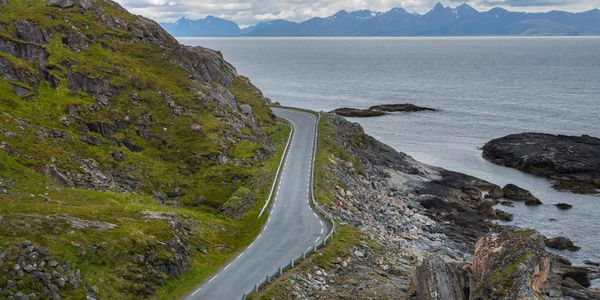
[(130, 165)]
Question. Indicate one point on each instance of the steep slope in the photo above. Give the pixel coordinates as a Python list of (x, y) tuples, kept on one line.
[(125, 157)]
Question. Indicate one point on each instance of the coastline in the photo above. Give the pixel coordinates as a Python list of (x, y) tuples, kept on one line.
[(407, 213)]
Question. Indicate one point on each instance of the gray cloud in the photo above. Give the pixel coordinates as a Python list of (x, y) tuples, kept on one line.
[(248, 12)]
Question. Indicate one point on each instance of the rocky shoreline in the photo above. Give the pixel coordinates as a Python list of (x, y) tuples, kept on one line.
[(572, 161), (379, 110), (426, 233)]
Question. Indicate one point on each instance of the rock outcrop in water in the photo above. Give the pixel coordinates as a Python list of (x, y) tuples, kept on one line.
[(516, 193), (379, 110), (574, 162)]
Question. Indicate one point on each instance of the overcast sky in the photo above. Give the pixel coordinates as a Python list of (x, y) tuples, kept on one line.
[(249, 12)]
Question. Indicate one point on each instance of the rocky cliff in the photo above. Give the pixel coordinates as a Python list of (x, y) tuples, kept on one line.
[(120, 152)]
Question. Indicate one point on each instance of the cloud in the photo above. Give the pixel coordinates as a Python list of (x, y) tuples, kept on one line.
[(248, 12)]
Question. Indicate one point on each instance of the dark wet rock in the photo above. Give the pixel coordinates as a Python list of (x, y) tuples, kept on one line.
[(507, 203), (61, 3), (579, 275), (495, 193), (516, 193), (574, 162), (434, 202), (504, 216), (54, 174), (404, 107), (513, 265), (561, 243), (591, 263), (358, 113), (563, 206), (378, 110)]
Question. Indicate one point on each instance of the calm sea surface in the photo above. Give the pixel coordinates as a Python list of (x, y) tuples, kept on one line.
[(484, 88)]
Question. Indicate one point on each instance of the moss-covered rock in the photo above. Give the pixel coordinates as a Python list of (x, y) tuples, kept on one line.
[(513, 265)]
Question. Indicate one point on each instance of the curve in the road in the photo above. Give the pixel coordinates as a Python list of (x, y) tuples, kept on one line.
[(292, 225)]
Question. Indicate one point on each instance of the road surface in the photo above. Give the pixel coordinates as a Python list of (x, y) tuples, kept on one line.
[(292, 226)]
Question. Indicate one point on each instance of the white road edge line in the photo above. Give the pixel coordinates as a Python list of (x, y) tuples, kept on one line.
[(283, 157)]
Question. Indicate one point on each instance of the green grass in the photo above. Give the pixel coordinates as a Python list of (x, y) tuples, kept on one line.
[(168, 154)]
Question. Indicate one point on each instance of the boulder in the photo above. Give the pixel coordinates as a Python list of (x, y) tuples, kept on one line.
[(437, 279), (61, 3), (573, 161), (86, 4), (516, 193), (513, 265), (247, 110), (504, 216), (561, 243), (563, 206)]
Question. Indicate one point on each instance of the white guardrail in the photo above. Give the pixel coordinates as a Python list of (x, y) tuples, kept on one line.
[(313, 248)]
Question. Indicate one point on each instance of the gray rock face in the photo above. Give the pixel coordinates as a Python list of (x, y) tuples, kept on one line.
[(56, 175), (573, 161), (61, 3), (94, 86), (3, 2), (209, 65), (30, 33), (437, 279)]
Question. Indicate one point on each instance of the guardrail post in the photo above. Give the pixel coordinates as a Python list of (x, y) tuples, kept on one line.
[(244, 296), (292, 263), (256, 288), (268, 278), (280, 271), (303, 254)]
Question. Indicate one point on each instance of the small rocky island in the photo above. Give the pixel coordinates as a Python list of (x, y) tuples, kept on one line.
[(379, 110), (574, 162)]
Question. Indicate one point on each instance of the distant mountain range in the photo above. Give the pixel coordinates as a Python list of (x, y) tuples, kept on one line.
[(462, 20)]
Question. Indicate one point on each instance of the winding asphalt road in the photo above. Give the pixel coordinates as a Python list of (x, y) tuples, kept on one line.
[(292, 226)]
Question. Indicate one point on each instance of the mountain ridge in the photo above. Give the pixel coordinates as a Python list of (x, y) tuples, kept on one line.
[(462, 20)]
